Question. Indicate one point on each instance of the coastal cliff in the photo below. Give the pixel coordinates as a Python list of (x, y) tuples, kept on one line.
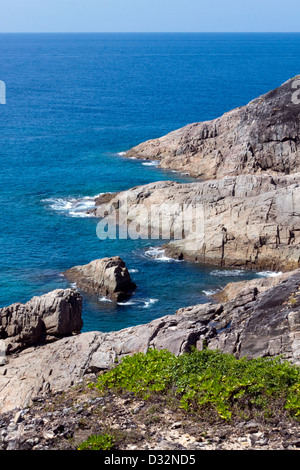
[(262, 136), (248, 220), (248, 196), (247, 199), (107, 276), (46, 403)]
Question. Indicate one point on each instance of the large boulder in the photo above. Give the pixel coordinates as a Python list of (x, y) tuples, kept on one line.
[(107, 276), (41, 319)]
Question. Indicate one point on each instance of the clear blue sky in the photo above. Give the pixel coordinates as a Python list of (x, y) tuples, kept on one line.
[(149, 15)]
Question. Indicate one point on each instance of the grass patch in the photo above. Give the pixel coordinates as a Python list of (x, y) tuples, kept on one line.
[(98, 442), (207, 380)]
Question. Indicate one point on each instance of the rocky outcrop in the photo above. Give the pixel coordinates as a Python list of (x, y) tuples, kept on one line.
[(262, 325), (247, 220), (233, 289), (248, 207), (261, 136), (40, 320), (107, 276), (254, 324), (245, 213)]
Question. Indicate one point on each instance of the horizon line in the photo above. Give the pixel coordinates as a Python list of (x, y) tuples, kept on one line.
[(149, 32)]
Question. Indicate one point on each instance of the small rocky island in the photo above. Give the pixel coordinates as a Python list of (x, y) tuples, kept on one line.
[(248, 165), (107, 276)]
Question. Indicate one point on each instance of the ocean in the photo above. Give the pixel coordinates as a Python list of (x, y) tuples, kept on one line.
[(74, 104)]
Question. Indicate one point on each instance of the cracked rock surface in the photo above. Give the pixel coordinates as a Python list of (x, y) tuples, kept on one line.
[(251, 221)]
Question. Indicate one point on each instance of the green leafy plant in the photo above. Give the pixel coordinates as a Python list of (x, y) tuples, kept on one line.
[(293, 300), (209, 380), (98, 442)]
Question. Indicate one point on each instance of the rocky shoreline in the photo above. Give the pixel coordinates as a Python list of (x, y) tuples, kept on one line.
[(248, 165), (250, 221), (253, 323), (248, 198), (261, 137), (47, 404)]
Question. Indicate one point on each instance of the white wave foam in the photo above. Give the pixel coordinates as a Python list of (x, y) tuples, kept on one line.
[(133, 270), (181, 172), (150, 302), (71, 206), (104, 299), (209, 293), (121, 153), (151, 163), (158, 254), (269, 274), (142, 303)]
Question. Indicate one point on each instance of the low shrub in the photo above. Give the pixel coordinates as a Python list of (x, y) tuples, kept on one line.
[(98, 442), (209, 380)]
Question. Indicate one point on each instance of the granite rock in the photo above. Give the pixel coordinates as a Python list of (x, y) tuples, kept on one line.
[(253, 324), (248, 220), (42, 319), (261, 136), (107, 276)]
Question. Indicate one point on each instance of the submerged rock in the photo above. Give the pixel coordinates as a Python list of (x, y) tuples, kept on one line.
[(107, 276)]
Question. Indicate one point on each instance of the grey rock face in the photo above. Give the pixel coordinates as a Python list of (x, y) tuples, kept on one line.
[(261, 136), (258, 323), (106, 276), (42, 319), (249, 164), (246, 220)]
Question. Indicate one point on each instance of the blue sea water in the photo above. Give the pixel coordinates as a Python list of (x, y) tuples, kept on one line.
[(74, 102)]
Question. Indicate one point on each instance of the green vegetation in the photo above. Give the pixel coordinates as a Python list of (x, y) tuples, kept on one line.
[(210, 382), (293, 300), (98, 442)]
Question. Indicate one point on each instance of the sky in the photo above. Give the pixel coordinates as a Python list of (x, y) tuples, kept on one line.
[(149, 15)]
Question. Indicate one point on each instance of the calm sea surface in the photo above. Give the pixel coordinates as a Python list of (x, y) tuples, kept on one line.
[(74, 103)]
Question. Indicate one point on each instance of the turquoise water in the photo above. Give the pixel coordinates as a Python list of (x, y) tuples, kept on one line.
[(74, 102)]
